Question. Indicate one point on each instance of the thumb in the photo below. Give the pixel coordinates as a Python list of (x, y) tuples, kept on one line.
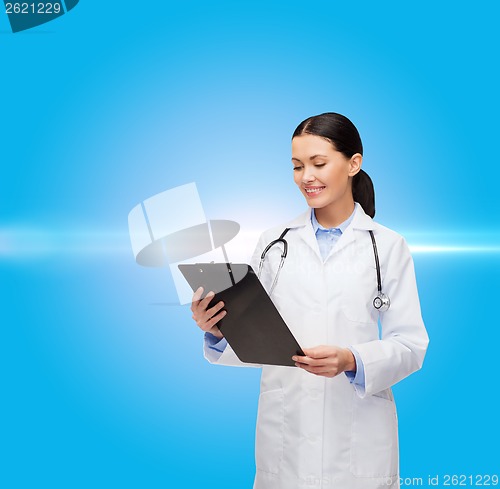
[(311, 352)]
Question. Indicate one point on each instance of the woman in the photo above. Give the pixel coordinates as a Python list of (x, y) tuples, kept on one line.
[(331, 422)]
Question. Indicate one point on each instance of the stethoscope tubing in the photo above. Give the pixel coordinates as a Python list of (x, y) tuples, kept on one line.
[(284, 253), (377, 263), (381, 302)]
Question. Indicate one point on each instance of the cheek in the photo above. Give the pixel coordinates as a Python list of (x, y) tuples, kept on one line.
[(337, 177)]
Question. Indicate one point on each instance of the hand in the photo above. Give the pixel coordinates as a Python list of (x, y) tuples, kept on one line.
[(326, 360), (206, 319)]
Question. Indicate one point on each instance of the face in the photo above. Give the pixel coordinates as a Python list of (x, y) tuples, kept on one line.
[(322, 173)]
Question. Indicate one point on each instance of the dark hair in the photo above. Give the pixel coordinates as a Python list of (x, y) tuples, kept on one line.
[(344, 136)]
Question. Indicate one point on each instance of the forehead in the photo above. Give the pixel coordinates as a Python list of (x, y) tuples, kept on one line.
[(308, 144)]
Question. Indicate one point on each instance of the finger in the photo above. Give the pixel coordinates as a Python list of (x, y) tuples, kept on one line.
[(204, 302), (203, 317), (215, 309), (204, 313), (321, 351), (213, 321), (323, 365), (305, 360), (307, 368), (322, 370), (196, 298), (197, 294)]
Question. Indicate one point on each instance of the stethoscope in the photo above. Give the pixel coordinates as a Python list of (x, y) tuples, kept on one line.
[(381, 302)]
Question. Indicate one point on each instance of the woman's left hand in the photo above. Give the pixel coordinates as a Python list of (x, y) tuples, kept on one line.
[(326, 360)]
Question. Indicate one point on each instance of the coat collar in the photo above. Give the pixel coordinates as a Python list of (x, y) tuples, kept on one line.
[(305, 229), (360, 220)]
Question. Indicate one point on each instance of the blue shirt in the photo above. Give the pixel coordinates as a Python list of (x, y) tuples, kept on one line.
[(327, 239)]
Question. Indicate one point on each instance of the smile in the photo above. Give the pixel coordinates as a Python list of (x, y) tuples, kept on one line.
[(313, 190)]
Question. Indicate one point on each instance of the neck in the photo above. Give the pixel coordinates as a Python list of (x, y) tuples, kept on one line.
[(334, 214)]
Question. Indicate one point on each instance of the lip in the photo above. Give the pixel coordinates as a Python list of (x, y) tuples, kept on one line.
[(314, 191)]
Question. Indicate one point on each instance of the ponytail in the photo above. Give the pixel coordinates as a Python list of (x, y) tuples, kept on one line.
[(363, 192)]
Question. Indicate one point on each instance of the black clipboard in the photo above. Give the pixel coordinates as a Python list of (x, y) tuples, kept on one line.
[(252, 326)]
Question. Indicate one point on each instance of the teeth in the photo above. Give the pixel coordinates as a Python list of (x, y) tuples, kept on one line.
[(314, 190)]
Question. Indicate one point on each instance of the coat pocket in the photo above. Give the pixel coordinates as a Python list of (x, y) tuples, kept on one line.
[(358, 308), (358, 292), (269, 431), (374, 437)]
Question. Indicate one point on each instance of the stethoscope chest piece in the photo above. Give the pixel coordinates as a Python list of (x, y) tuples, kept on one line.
[(381, 303)]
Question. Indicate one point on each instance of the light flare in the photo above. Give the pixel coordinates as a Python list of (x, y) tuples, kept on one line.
[(30, 242)]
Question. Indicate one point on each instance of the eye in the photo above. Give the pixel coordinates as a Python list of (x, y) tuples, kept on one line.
[(319, 165), (296, 168)]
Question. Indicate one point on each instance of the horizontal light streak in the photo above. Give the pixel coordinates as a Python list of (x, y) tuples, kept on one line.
[(417, 249), (31, 242)]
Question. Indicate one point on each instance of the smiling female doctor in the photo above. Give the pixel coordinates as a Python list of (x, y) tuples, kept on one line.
[(331, 422)]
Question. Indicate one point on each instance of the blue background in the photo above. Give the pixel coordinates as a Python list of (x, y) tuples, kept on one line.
[(103, 379)]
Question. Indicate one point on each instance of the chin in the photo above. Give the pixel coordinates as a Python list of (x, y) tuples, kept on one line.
[(316, 204)]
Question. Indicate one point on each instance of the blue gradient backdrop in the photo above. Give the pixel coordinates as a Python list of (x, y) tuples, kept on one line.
[(103, 379)]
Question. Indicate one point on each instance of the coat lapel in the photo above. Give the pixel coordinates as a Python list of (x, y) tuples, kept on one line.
[(345, 240), (360, 221), (305, 231)]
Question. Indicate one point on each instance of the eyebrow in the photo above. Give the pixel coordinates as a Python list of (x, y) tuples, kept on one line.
[(311, 158)]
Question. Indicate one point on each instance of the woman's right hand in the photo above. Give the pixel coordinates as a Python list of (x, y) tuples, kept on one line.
[(206, 319)]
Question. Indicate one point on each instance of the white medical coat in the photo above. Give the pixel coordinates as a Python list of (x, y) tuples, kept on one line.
[(318, 432)]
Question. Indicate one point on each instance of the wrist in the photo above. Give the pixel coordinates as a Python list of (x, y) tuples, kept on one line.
[(350, 361), (215, 331)]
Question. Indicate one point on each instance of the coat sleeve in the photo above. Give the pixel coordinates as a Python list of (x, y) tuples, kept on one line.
[(228, 356), (401, 348)]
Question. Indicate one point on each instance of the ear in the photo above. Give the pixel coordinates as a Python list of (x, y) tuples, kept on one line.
[(355, 164)]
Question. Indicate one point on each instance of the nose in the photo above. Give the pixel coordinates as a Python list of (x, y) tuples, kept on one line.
[(308, 175)]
